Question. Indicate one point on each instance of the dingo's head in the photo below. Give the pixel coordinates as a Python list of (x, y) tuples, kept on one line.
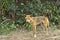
[(28, 18)]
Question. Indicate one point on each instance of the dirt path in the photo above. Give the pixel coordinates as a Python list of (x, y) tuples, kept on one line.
[(25, 35)]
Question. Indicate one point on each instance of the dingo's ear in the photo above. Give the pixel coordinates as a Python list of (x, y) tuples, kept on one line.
[(27, 15), (24, 14)]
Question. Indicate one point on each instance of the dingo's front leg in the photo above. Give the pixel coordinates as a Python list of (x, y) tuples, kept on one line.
[(34, 31)]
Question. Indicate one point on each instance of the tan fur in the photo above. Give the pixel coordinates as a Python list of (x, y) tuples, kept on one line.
[(37, 20)]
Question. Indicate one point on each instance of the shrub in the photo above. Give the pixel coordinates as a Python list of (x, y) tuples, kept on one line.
[(7, 25), (34, 7), (28, 26)]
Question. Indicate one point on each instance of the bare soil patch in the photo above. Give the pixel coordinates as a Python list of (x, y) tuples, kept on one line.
[(20, 34)]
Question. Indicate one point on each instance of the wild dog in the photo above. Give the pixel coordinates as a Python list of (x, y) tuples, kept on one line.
[(37, 20)]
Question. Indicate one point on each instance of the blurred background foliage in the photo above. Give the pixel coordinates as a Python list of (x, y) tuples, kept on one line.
[(12, 12)]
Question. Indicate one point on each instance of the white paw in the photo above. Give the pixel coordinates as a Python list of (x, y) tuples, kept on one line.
[(35, 36)]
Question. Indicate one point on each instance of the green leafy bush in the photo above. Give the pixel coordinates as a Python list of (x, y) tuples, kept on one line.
[(34, 7), (7, 25), (28, 26)]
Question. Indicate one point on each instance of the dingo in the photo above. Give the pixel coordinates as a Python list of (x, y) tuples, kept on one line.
[(37, 20)]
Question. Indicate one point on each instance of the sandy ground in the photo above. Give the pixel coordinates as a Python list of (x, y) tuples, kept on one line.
[(27, 35)]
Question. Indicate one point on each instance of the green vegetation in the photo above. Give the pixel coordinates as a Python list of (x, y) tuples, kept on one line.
[(12, 12)]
